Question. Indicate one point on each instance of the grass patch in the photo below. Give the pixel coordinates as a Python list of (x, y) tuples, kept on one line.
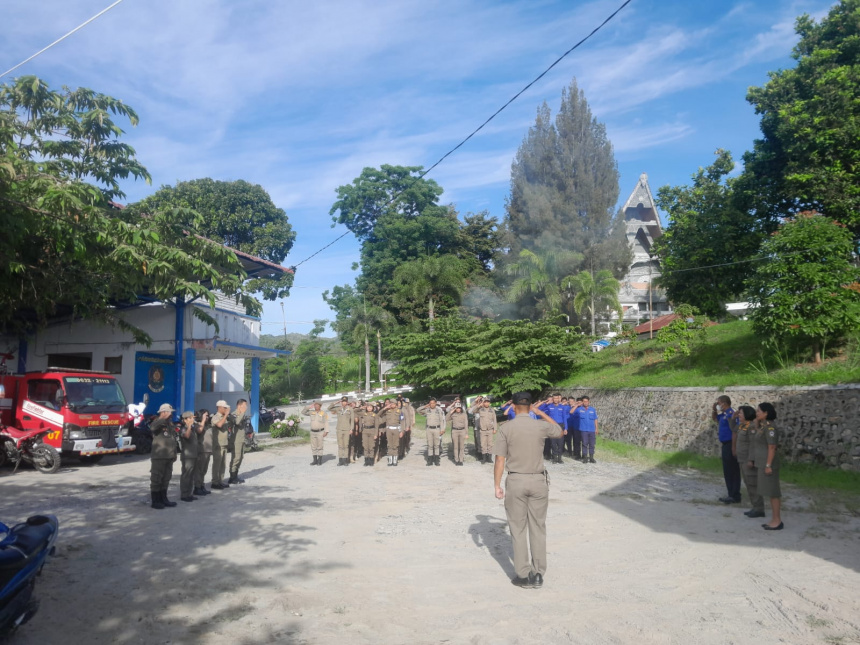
[(731, 355)]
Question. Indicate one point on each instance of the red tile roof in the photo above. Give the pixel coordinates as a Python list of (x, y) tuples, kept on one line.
[(658, 323)]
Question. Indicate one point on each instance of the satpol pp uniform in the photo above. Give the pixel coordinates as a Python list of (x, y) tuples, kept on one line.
[(319, 423), (434, 431)]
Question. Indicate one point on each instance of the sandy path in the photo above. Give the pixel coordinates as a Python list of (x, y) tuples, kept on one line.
[(418, 554)]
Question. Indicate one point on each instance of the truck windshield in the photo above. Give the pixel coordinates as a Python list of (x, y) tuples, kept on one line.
[(91, 394)]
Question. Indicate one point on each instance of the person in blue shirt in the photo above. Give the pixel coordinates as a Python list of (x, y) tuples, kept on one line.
[(509, 411), (558, 412), (722, 413), (572, 436), (586, 421)]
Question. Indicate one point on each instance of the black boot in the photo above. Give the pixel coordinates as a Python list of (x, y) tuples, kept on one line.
[(438, 460), (488, 458), (156, 500), (167, 503), (430, 460), (233, 480)]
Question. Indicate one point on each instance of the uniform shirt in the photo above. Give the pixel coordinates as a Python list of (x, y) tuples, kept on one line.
[(725, 430), (237, 421), (487, 418), (391, 417), (345, 417), (204, 441), (190, 445), (163, 442), (521, 440), (408, 415), (219, 435), (586, 418), (745, 431), (319, 420), (558, 412), (435, 416), (368, 421), (459, 420), (512, 413), (573, 420), (766, 435)]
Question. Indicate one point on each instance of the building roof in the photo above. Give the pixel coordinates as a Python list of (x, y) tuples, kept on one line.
[(657, 323)]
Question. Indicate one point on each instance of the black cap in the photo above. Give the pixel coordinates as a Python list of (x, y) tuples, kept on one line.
[(522, 398)]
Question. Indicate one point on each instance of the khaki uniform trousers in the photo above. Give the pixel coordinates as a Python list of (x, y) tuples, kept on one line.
[(317, 442), (458, 438), (487, 441), (201, 468), (526, 502), (343, 443), (186, 479), (750, 476), (238, 453), (368, 439), (219, 463), (392, 436), (160, 472), (433, 435)]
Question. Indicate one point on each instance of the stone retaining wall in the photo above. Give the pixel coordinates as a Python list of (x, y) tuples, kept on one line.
[(817, 424)]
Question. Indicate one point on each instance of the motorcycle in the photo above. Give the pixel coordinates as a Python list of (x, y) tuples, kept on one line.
[(23, 551), (26, 445), (138, 428), (268, 416), (251, 444)]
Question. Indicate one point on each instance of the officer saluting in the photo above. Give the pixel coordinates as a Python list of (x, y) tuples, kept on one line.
[(345, 427), (519, 448), (319, 423)]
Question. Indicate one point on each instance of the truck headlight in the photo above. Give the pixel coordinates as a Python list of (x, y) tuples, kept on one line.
[(72, 431)]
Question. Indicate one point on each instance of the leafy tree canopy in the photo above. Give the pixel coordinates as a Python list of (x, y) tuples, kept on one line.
[(238, 214), (706, 227), (809, 155), (66, 250), (462, 356)]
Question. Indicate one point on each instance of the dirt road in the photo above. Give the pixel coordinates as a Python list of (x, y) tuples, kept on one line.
[(419, 554)]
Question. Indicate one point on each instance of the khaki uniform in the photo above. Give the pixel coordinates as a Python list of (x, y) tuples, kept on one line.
[(766, 435), (237, 426), (750, 474), (435, 427), (391, 420), (319, 424), (408, 421), (345, 427), (163, 454), (485, 423), (220, 440), (356, 447), (370, 423), (459, 431), (204, 453), (521, 441), (190, 450), (474, 412)]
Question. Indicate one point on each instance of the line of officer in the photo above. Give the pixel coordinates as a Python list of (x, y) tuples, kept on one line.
[(434, 430), (345, 428), (319, 430)]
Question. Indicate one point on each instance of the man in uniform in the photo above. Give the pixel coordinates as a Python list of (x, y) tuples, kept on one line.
[(519, 448), (162, 457), (408, 421), (722, 412), (558, 412), (188, 441), (237, 425), (220, 440), (344, 429), (434, 430), (390, 415), (485, 420), (369, 432), (459, 431), (319, 425), (204, 452), (587, 424)]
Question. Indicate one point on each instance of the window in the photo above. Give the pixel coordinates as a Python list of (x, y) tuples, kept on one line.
[(207, 378), (45, 393), (113, 364), (71, 361)]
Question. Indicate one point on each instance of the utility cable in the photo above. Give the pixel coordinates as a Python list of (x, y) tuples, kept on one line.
[(757, 259), (61, 39), (422, 174)]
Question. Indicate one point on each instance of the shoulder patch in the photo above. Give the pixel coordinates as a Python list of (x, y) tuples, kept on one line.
[(771, 433)]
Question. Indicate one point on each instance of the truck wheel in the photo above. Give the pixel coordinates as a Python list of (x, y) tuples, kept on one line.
[(46, 459), (88, 460)]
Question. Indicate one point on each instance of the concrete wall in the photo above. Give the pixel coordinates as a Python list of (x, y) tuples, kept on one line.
[(818, 424)]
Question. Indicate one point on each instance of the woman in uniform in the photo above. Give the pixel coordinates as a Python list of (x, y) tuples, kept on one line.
[(369, 433), (765, 458), (459, 421), (743, 431)]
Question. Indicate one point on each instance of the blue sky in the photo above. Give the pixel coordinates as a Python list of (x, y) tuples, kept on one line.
[(299, 97)]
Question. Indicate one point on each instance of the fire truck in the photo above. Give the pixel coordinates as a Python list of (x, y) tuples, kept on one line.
[(84, 412)]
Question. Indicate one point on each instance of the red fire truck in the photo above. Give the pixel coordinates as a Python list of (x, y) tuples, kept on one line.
[(84, 411)]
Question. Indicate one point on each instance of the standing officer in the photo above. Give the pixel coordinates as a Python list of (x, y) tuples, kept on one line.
[(479, 449), (220, 441), (319, 424), (188, 441), (390, 414), (434, 430), (573, 433), (587, 423), (519, 448), (459, 431), (356, 449), (744, 431), (486, 421), (345, 427), (558, 412), (162, 456), (237, 426), (204, 452), (722, 412), (408, 422), (369, 432)]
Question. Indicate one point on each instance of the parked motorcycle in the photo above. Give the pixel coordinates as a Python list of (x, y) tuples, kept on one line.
[(251, 444), (23, 551), (26, 446)]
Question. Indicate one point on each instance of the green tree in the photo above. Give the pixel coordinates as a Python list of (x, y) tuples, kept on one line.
[(807, 290), (596, 294), (809, 155), (564, 187), (536, 280), (429, 280), (707, 228), (66, 249), (238, 214)]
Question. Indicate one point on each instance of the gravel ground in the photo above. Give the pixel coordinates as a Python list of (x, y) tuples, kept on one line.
[(419, 554)]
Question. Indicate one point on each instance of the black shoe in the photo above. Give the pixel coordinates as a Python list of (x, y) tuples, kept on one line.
[(167, 503), (314, 462), (187, 499), (577, 457), (217, 487), (459, 463), (488, 458), (156, 500), (438, 460), (239, 480), (591, 460), (430, 461), (340, 462), (752, 513), (525, 583), (233, 480), (768, 527), (537, 580), (729, 500)]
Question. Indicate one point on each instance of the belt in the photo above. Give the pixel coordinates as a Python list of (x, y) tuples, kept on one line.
[(320, 430), (433, 427), (543, 472)]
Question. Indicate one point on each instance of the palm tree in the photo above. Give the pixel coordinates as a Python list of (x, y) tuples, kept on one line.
[(537, 274), (595, 293), (363, 322), (429, 279)]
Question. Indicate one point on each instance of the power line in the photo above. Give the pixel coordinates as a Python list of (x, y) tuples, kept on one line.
[(493, 116), (59, 40), (757, 259)]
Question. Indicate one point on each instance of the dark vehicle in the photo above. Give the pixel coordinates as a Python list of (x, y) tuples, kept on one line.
[(17, 446), (23, 551), (268, 416), (446, 400)]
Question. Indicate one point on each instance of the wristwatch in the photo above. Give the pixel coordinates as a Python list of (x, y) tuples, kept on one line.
[(767, 465)]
